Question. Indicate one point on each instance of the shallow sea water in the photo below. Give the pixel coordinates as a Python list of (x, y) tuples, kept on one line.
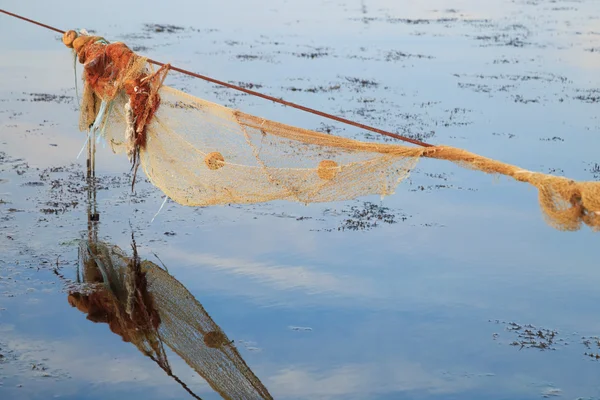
[(321, 302)]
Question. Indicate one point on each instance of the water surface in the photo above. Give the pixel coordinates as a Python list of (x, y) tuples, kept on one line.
[(419, 308)]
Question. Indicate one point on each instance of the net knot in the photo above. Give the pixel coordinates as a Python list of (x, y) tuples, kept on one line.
[(69, 37)]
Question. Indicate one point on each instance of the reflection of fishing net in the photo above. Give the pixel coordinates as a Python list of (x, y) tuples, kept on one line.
[(123, 301), (200, 153), (148, 307), (188, 329)]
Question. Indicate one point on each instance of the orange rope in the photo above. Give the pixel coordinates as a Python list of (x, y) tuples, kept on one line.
[(257, 94)]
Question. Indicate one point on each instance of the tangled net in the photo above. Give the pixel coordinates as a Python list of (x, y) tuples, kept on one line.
[(200, 153), (149, 308)]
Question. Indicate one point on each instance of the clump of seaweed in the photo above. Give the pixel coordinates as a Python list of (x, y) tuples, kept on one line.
[(595, 170), (531, 337), (592, 343), (367, 216)]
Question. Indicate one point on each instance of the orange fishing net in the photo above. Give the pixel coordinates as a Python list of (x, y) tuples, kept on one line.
[(200, 153)]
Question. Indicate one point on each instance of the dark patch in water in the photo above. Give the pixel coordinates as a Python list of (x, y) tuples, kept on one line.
[(397, 55), (592, 344), (160, 28), (589, 96), (453, 117), (409, 21), (366, 217), (515, 35), (139, 48), (411, 125), (315, 89), (595, 170), (58, 207), (429, 188), (312, 55), (483, 88), (48, 97), (544, 77), (27, 363), (249, 57), (506, 61), (429, 21), (520, 99), (421, 136), (135, 36), (556, 171), (530, 337), (300, 328), (508, 135), (362, 83), (443, 176), (247, 85), (331, 129), (13, 116), (67, 187)]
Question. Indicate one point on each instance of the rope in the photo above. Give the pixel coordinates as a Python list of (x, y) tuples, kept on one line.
[(257, 94), (32, 21)]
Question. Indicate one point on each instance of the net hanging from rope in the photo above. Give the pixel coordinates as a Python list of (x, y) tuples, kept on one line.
[(200, 153)]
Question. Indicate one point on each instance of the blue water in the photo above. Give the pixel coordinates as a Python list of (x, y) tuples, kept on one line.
[(396, 311)]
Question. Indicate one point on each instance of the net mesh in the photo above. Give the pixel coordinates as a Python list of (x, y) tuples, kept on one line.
[(149, 308), (200, 153)]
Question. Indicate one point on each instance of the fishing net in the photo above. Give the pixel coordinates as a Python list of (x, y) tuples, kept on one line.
[(149, 308), (200, 153)]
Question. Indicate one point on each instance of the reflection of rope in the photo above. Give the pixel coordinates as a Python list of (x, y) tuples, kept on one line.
[(172, 375), (257, 94)]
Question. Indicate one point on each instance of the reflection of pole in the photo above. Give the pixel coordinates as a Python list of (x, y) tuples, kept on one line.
[(93, 215), (170, 373)]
